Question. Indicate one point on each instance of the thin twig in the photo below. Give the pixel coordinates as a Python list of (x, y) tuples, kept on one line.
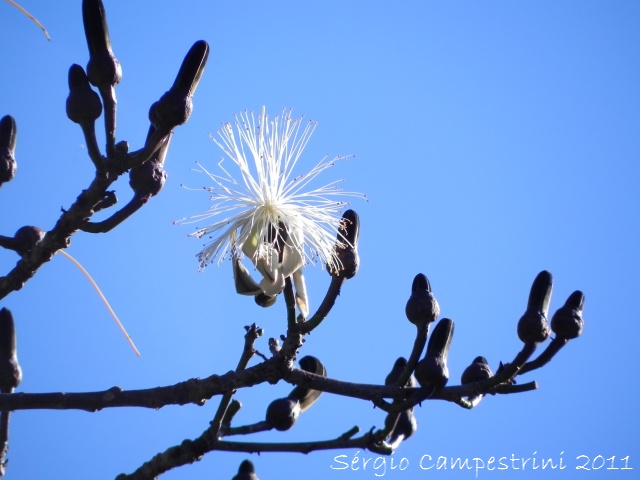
[(104, 300), (32, 18)]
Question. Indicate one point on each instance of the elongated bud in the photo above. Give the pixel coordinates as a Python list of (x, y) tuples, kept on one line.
[(533, 326), (10, 371), (307, 396), (422, 307), (478, 370), (283, 413), (347, 246), (567, 322), (26, 238), (432, 369), (83, 104), (8, 135), (175, 106), (246, 471), (104, 70)]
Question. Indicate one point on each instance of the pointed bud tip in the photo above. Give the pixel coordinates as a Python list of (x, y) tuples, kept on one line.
[(350, 225), (540, 294), (246, 467), (567, 322), (8, 134), (421, 282), (398, 367), (422, 306), (576, 300), (478, 370), (192, 68)]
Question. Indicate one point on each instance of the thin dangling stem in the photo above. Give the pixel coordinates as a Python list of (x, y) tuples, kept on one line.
[(104, 299), (31, 17)]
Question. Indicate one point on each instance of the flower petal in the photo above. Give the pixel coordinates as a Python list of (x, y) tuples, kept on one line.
[(245, 284), (301, 293)]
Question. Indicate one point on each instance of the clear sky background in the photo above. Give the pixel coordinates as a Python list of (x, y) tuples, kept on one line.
[(493, 139)]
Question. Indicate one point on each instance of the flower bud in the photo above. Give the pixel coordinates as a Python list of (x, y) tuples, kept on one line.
[(307, 396), (265, 300), (8, 134), (246, 471), (406, 425), (422, 307), (398, 367), (283, 413), (147, 180), (432, 370), (346, 248), (175, 106), (26, 238), (567, 322), (83, 104), (533, 326), (104, 70), (478, 370), (10, 371)]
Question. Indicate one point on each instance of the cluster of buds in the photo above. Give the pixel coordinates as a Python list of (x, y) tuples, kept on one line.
[(84, 106), (432, 372)]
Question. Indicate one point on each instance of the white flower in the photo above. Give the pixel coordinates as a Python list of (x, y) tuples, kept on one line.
[(266, 213)]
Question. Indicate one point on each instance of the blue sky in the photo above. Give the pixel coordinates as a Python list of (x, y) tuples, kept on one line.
[(493, 140)]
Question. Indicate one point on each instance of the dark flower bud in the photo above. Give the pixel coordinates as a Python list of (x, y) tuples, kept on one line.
[(83, 104), (533, 326), (405, 423), (567, 322), (147, 179), (478, 370), (398, 367), (175, 106), (8, 134), (307, 396), (265, 300), (347, 246), (103, 69), (422, 307), (10, 371), (246, 471), (26, 238), (432, 370), (283, 413), (405, 426)]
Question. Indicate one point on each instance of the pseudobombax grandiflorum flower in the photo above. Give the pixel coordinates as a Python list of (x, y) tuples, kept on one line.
[(267, 211)]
